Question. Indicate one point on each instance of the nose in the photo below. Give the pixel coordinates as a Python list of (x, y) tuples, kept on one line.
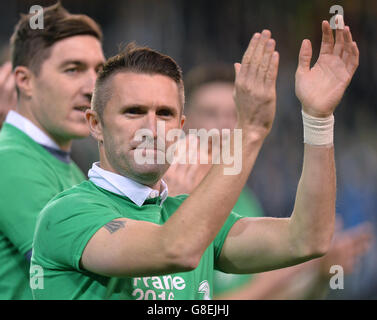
[(89, 82), (151, 123)]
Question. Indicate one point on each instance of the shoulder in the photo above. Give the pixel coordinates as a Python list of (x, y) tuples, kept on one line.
[(17, 151), (20, 152), (79, 199), (24, 171), (82, 194), (66, 224), (13, 138)]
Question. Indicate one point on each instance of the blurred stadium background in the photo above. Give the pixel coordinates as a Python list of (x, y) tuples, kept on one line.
[(197, 32)]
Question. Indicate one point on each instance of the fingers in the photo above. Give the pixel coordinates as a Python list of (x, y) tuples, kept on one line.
[(305, 56), (339, 38), (343, 39), (355, 241), (358, 244), (257, 57), (272, 72), (260, 61), (327, 44), (347, 44), (246, 59), (10, 84), (237, 68), (363, 236), (351, 52), (254, 53), (265, 62), (8, 96), (353, 59), (5, 72), (345, 48)]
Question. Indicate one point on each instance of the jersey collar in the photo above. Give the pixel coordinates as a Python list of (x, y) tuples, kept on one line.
[(30, 129), (124, 186)]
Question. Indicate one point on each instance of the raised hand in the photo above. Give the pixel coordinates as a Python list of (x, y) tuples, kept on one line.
[(184, 176), (8, 95), (321, 88), (255, 85)]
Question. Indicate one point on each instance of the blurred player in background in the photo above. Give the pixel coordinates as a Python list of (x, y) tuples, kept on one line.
[(210, 105), (55, 69)]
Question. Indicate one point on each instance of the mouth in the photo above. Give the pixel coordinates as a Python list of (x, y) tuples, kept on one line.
[(147, 149), (81, 108)]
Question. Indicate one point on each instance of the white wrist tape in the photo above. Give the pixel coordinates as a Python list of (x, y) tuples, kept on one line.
[(318, 131)]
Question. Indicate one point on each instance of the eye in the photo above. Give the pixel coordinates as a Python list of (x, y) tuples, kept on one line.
[(165, 112), (71, 70), (134, 111)]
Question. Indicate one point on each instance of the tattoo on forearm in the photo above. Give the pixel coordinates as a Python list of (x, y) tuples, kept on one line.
[(113, 226)]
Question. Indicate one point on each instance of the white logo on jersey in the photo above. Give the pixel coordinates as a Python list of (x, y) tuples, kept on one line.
[(204, 288), (160, 288)]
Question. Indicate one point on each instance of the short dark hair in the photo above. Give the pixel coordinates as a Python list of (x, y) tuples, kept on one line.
[(205, 74), (138, 60), (30, 47)]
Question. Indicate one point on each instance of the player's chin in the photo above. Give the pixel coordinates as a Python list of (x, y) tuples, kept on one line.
[(150, 172), (78, 130)]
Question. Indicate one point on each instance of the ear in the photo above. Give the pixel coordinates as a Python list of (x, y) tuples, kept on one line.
[(23, 77), (183, 120), (95, 125)]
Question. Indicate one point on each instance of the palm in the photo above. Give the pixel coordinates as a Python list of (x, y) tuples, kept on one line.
[(321, 88)]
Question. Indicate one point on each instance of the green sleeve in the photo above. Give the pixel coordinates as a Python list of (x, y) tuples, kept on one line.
[(64, 228), (221, 236), (25, 188), (248, 205)]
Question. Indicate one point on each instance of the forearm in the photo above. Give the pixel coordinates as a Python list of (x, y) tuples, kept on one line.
[(262, 244), (320, 89), (312, 221), (200, 217)]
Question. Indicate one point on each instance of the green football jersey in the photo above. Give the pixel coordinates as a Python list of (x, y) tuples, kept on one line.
[(248, 206), (30, 177), (67, 223)]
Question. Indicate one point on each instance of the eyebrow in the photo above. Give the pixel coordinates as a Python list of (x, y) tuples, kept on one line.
[(68, 62), (78, 63)]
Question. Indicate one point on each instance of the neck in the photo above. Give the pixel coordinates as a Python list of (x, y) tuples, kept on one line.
[(25, 111), (105, 165), (156, 186)]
